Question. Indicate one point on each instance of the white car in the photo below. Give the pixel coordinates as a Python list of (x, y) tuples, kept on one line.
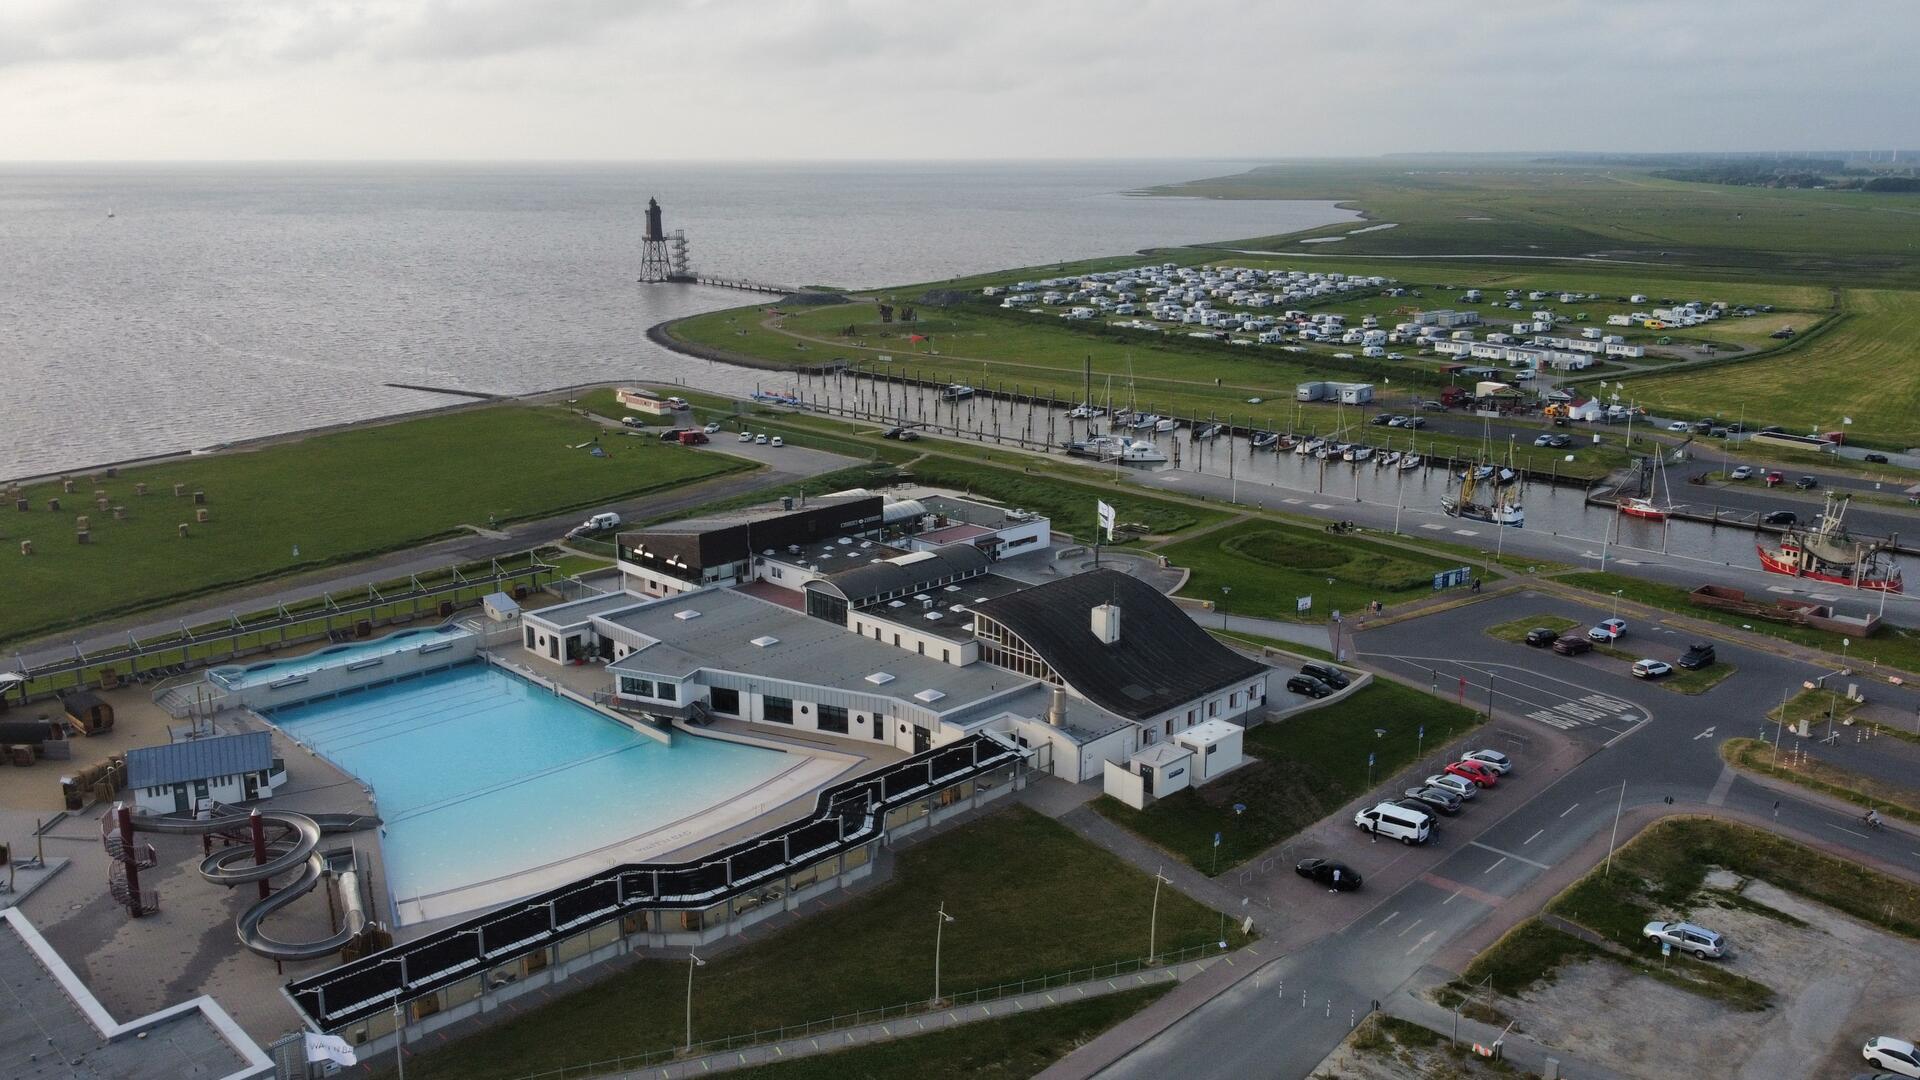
[(1678, 425), (1741, 473), (713, 429), (1607, 630), (746, 436), (1459, 785), (777, 441), (761, 439), (1895, 1055), (1687, 937), (1651, 669), (1492, 759)]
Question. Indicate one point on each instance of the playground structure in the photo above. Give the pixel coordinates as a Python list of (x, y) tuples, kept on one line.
[(247, 855)]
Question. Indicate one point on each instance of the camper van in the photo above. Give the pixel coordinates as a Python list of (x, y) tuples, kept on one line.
[(1396, 822)]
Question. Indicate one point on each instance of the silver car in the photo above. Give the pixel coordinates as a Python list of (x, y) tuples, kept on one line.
[(1687, 937), (1459, 785)]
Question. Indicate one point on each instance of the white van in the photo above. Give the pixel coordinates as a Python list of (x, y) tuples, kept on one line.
[(599, 522), (1396, 823)]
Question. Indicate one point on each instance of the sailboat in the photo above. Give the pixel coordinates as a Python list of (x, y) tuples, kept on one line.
[(1646, 506)]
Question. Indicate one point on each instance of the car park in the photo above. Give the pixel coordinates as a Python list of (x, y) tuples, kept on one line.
[(1607, 630), (1396, 823), (1572, 645), (1742, 472), (1781, 517), (1439, 798), (1686, 937), (1332, 676), (1333, 875), (1807, 483), (1459, 785), (1474, 771), (1651, 669), (1897, 1055), (1698, 655), (1492, 759), (1875, 459), (1541, 637), (1308, 685)]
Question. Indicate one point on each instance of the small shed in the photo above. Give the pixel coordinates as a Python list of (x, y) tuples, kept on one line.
[(1154, 773), (180, 777), (500, 607), (86, 713), (1216, 748)]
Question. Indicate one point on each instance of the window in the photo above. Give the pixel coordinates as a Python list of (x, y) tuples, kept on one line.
[(921, 646), (724, 701), (633, 686), (777, 710), (1233, 702), (1213, 707), (946, 656), (833, 718), (1192, 715), (667, 691), (529, 637), (1170, 728)]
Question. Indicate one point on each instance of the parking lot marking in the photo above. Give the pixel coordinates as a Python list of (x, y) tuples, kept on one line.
[(1532, 838), (1568, 810), (1409, 926), (1509, 854), (1495, 866), (1424, 938), (1388, 919)]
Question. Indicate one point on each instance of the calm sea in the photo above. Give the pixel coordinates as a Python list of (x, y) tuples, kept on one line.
[(148, 309)]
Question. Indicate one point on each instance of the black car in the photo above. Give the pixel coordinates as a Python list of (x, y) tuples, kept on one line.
[(1329, 873), (894, 433), (1435, 799), (670, 435), (1698, 655), (1807, 483), (1782, 517), (1877, 459), (1572, 645), (1560, 442), (1541, 637), (1736, 428), (1382, 419), (1308, 685), (1416, 422), (1332, 676)]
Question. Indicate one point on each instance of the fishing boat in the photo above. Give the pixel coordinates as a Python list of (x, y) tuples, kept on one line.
[(1264, 439), (1411, 461), (1649, 506), (1830, 554), (1502, 509)]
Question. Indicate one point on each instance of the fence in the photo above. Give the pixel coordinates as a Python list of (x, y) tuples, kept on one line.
[(983, 995)]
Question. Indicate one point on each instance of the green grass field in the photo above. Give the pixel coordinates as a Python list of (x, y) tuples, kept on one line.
[(336, 497), (1299, 770), (1269, 565), (1016, 882)]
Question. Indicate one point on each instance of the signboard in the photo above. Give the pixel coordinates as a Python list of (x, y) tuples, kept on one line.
[(1304, 603), (1451, 579)]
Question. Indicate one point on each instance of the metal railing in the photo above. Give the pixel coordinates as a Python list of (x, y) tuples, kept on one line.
[(984, 995)]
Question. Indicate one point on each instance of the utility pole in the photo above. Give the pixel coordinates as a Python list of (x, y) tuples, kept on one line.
[(1153, 920), (1618, 807)]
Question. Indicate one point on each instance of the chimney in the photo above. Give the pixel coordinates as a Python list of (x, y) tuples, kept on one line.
[(1106, 623), (1057, 706)]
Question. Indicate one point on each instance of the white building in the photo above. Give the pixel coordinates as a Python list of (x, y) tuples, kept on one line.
[(184, 777)]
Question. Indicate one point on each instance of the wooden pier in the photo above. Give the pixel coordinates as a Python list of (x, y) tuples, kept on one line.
[(732, 283)]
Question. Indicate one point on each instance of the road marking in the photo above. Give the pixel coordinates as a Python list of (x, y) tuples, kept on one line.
[(1424, 938), (1779, 589), (1388, 919), (1532, 838), (1509, 854), (1435, 528), (1568, 810), (1465, 532), (1718, 796), (1495, 866), (1319, 506), (1291, 502), (1409, 926), (1707, 734), (1626, 562), (1849, 832), (1452, 898)]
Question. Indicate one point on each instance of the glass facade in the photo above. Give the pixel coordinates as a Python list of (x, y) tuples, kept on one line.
[(1003, 648)]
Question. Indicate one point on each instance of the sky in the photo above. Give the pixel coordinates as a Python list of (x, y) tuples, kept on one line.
[(713, 80)]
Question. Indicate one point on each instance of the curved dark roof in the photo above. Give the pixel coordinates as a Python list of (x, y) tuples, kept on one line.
[(1162, 660), (908, 573)]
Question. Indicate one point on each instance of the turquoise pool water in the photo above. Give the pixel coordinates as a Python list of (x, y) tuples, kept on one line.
[(480, 774), (235, 676)]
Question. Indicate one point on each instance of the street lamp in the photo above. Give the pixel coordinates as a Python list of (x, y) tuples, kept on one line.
[(1225, 590), (693, 961), (939, 930), (1153, 920), (1616, 603)]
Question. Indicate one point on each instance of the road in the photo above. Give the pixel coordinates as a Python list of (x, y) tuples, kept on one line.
[(1633, 744)]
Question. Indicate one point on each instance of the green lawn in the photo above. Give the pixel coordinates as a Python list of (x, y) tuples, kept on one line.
[(1516, 631), (1068, 504), (1019, 885), (336, 497), (1017, 1047), (1299, 770), (1269, 565)]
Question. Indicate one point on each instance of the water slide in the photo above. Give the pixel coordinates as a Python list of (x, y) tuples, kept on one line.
[(296, 847)]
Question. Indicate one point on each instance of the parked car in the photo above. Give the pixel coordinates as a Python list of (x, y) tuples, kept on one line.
[(669, 435), (1396, 823), (1697, 656), (1543, 440), (1560, 442), (1382, 419), (631, 421), (1807, 483), (690, 437), (1897, 1055), (1329, 873), (760, 439), (1459, 785), (1687, 937), (909, 435), (1439, 798), (712, 429), (746, 436), (1541, 637), (1774, 478), (1677, 426), (1651, 669), (1326, 673), (1877, 459), (1308, 685), (1742, 472), (1608, 630), (776, 441), (1782, 517), (1416, 422), (1572, 645), (1474, 771), (1492, 759), (893, 433)]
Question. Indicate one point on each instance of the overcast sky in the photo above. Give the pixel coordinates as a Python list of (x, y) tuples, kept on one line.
[(820, 79)]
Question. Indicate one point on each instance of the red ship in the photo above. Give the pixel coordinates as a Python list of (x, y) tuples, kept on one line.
[(1829, 554)]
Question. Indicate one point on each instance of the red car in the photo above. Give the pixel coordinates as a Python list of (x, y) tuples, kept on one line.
[(1474, 771)]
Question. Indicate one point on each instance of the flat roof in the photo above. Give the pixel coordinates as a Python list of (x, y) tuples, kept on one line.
[(954, 602), (51, 1025), (726, 518), (802, 649), (971, 511)]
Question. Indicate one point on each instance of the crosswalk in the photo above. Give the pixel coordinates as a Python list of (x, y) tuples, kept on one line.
[(1596, 709), (1546, 699)]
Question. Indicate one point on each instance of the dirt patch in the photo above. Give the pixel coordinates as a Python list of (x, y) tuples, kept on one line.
[(1837, 981), (1382, 1048)]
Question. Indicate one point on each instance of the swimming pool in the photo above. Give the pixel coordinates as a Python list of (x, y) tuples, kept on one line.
[(482, 776), (236, 676)]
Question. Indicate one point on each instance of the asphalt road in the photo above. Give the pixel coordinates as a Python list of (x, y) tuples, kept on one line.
[(1642, 744)]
